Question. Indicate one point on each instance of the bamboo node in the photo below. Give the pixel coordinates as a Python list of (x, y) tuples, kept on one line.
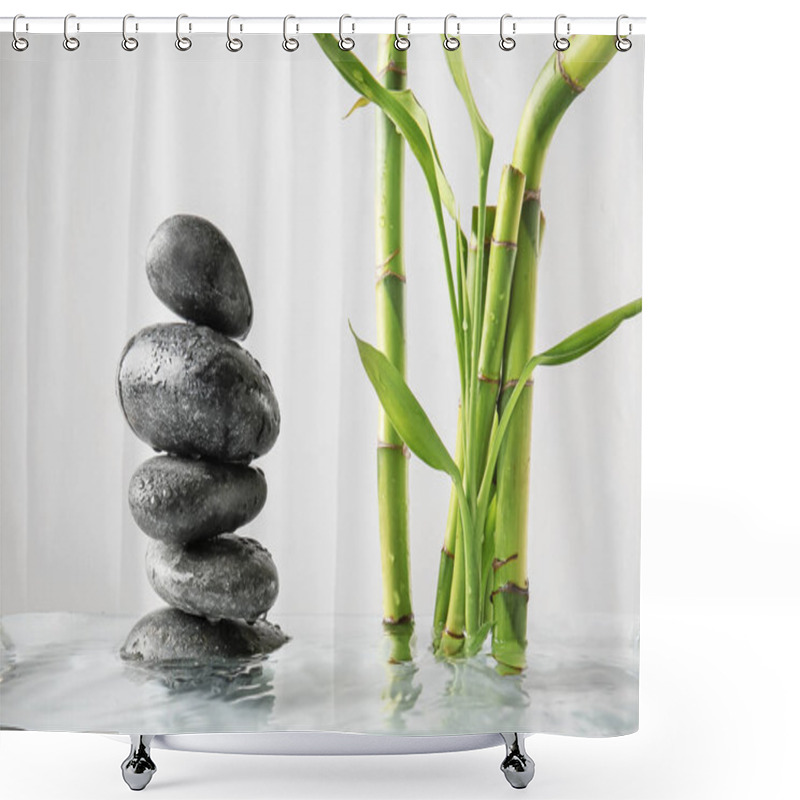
[(514, 381), (392, 67), (573, 84), (393, 446), (487, 379), (448, 632), (447, 553), (511, 588), (404, 620), (532, 194), (506, 245), (501, 562)]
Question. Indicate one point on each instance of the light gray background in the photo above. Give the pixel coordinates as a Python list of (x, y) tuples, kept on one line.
[(99, 146)]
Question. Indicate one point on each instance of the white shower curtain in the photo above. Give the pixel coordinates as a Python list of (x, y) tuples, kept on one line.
[(100, 145)]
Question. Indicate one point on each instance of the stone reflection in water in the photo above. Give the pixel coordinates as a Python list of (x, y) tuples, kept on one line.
[(188, 653), (400, 693)]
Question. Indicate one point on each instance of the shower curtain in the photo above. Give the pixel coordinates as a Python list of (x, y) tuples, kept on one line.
[(320, 401)]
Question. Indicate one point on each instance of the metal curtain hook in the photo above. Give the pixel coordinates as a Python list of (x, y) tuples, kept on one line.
[(71, 43), (17, 41), (623, 42), (129, 43), (233, 44), (181, 42), (451, 42), (560, 42), (346, 42), (401, 42), (507, 42), (289, 44)]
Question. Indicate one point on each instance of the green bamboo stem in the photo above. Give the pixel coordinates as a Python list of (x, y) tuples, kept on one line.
[(390, 312), (447, 557), (562, 79), (502, 255), (476, 283)]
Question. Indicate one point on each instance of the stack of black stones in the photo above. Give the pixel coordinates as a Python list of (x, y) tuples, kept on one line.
[(192, 393)]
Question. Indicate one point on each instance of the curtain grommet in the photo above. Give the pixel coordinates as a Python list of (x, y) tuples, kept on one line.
[(507, 43), (71, 43), (401, 42), (451, 43), (560, 43), (346, 42), (623, 43), (233, 44), (19, 43), (129, 43), (289, 44), (183, 43)]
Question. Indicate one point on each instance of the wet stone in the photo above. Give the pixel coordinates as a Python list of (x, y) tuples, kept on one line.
[(171, 635), (227, 577), (188, 390), (193, 269), (181, 500)]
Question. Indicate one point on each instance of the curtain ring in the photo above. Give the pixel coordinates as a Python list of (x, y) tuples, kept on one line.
[(181, 42), (507, 42), (17, 41), (71, 43), (401, 42), (129, 43), (233, 44), (289, 44), (451, 42), (346, 42), (560, 43), (623, 42)]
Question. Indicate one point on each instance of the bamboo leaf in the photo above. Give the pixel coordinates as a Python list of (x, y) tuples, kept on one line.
[(362, 102), (412, 122), (403, 409), (484, 141), (402, 108), (570, 349), (588, 337)]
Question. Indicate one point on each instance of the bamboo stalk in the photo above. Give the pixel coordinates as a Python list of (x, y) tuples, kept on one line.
[(502, 255), (465, 604), (476, 287), (562, 79), (390, 312)]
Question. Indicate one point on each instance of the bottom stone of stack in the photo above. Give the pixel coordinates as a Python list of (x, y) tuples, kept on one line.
[(170, 635)]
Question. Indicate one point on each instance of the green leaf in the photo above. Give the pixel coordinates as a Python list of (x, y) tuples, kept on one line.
[(412, 122), (402, 108), (570, 349), (362, 102), (404, 411), (484, 141)]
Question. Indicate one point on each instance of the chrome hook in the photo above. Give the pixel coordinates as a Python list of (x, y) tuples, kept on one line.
[(181, 42), (623, 42), (507, 42), (233, 44), (401, 42), (71, 43), (560, 43), (289, 44), (346, 42), (451, 42), (129, 43), (17, 41)]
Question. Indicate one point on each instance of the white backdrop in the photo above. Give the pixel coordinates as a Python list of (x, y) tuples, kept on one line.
[(99, 146)]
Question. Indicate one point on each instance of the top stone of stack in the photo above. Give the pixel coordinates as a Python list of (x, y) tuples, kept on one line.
[(193, 269)]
